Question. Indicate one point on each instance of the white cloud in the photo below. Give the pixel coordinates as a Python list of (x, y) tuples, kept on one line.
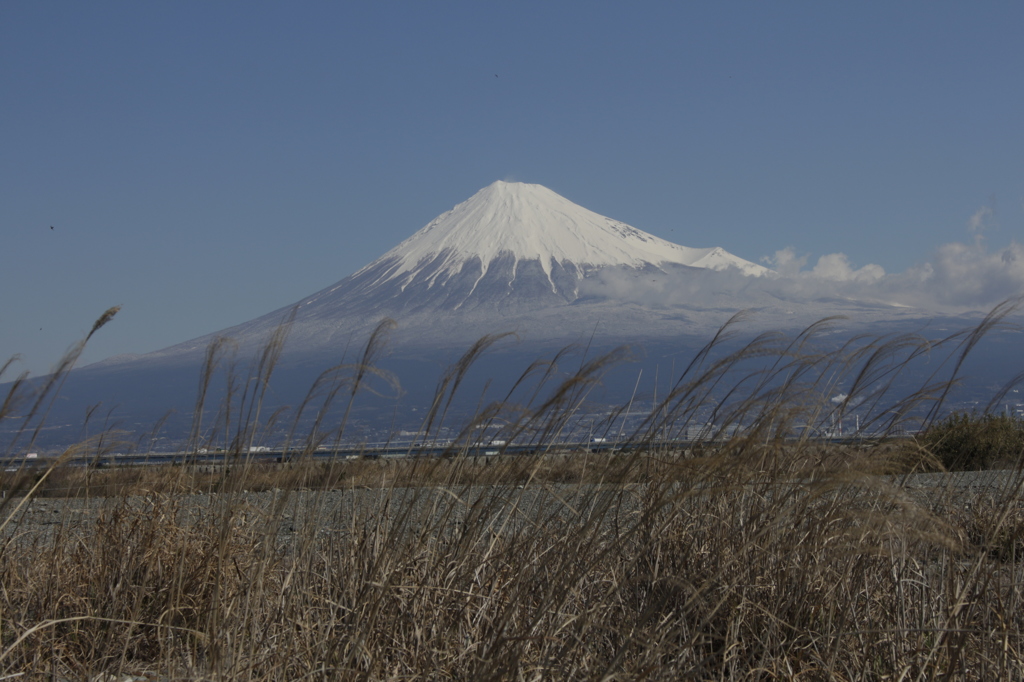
[(956, 278), (785, 262), (965, 275), (832, 266), (836, 266), (979, 221)]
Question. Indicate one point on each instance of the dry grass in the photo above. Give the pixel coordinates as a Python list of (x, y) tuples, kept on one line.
[(571, 466), (757, 557), (730, 572)]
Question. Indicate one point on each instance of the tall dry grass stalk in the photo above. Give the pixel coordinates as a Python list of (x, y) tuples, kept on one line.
[(759, 552)]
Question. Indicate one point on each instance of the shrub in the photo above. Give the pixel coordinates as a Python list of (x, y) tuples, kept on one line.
[(969, 442)]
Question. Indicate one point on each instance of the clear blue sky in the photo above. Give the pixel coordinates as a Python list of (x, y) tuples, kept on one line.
[(204, 163)]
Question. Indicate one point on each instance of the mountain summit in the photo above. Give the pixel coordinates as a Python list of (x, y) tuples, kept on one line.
[(511, 246), (530, 223)]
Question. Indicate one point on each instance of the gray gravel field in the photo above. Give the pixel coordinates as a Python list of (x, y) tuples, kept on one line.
[(333, 511)]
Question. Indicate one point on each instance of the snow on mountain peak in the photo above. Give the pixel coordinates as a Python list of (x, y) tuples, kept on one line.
[(532, 223)]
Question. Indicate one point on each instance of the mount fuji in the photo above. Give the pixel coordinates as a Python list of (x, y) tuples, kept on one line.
[(514, 257)]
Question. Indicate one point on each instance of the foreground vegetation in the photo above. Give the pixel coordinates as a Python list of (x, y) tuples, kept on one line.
[(970, 442), (758, 555)]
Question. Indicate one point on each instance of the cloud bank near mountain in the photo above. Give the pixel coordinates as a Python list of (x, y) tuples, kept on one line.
[(957, 277)]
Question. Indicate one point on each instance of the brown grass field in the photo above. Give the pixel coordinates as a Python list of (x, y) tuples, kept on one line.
[(759, 555)]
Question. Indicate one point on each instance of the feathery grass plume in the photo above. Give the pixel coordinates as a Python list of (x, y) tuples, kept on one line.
[(452, 378), (329, 383), (995, 319), (222, 421), (102, 320), (52, 384), (520, 420), (212, 358), (323, 392), (146, 442), (550, 418), (15, 394), (256, 387), (10, 361), (366, 367)]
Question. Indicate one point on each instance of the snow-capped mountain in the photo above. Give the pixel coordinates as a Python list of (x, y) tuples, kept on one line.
[(530, 223), (514, 245), (513, 256)]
